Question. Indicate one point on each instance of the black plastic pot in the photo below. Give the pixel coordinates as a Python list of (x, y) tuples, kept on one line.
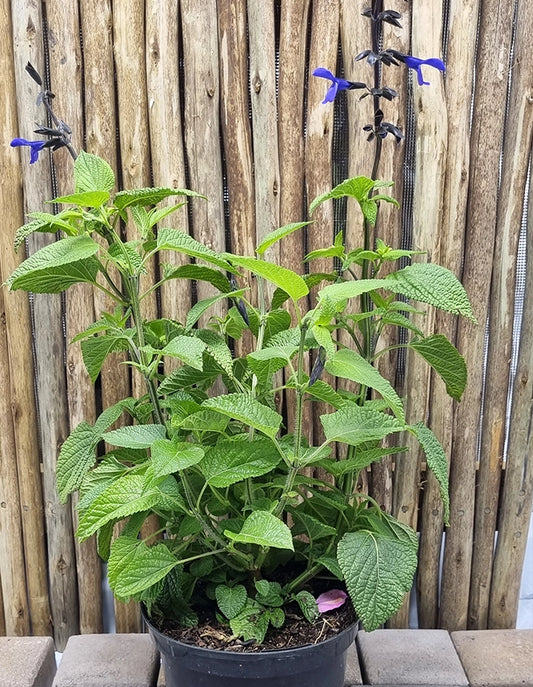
[(315, 665)]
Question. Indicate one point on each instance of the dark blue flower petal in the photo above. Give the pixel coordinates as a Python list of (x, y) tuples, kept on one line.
[(35, 147), (416, 64), (337, 84)]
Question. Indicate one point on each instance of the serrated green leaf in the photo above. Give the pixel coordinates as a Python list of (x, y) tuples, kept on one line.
[(46, 223), (355, 425), (276, 617), (230, 462), (348, 364), (332, 565), (217, 349), (432, 284), (149, 196), (123, 497), (169, 457), (204, 305), (77, 455), (278, 234), (134, 567), (251, 623), (95, 350), (331, 252), (264, 529), (174, 239), (338, 293), (59, 278), (446, 360), (361, 460), (188, 349), (86, 199), (204, 421), (135, 436), (324, 392), (231, 600), (281, 277), (307, 603), (436, 462), (378, 571), (307, 524), (91, 173), (199, 273), (246, 409), (64, 252)]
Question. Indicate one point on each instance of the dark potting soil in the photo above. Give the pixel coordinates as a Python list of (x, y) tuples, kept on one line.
[(296, 632)]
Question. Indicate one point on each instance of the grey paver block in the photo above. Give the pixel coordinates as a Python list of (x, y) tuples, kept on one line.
[(496, 658), (410, 657), (27, 661), (353, 671), (115, 660)]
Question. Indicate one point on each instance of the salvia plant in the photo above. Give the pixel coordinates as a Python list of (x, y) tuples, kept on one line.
[(244, 526)]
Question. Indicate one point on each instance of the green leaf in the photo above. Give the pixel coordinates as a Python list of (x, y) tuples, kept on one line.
[(278, 234), (231, 600), (246, 409), (332, 565), (123, 497), (95, 350), (264, 529), (251, 623), (307, 524), (436, 462), (134, 567), (268, 593), (188, 349), (281, 277), (149, 196), (361, 460), (355, 425), (324, 392), (446, 360), (91, 173), (63, 252), (59, 278), (378, 571), (432, 284), (198, 309), (204, 421), (308, 605), (169, 457), (198, 273), (358, 188), (135, 436), (348, 364), (87, 199), (47, 223), (174, 239), (331, 252), (217, 349), (338, 293), (230, 462)]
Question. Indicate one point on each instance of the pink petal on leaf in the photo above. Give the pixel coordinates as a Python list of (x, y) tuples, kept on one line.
[(330, 600)]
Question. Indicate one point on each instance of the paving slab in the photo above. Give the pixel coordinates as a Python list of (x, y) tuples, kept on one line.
[(353, 670), (394, 658), (114, 660), (496, 658), (27, 661)]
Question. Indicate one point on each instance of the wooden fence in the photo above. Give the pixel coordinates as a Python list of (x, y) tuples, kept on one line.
[(217, 96)]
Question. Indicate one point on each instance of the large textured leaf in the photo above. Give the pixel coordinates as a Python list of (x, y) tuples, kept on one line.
[(378, 571), (63, 252), (46, 223), (264, 529), (77, 453), (95, 350), (58, 278), (246, 409), (134, 567), (198, 309), (338, 293), (91, 173), (217, 349), (445, 359), (231, 600), (199, 273), (312, 527), (87, 199), (135, 436), (436, 461), (283, 278), (169, 457), (173, 239), (355, 425), (230, 462), (350, 365), (433, 284), (123, 497), (149, 196), (188, 349)]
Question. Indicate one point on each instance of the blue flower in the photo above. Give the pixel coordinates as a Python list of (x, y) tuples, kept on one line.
[(336, 84), (35, 147), (416, 64)]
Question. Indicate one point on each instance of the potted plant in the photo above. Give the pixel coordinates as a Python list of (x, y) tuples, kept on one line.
[(249, 539)]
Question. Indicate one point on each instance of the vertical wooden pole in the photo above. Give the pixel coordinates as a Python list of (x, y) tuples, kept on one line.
[(462, 25), (488, 115), (518, 136), (28, 46)]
